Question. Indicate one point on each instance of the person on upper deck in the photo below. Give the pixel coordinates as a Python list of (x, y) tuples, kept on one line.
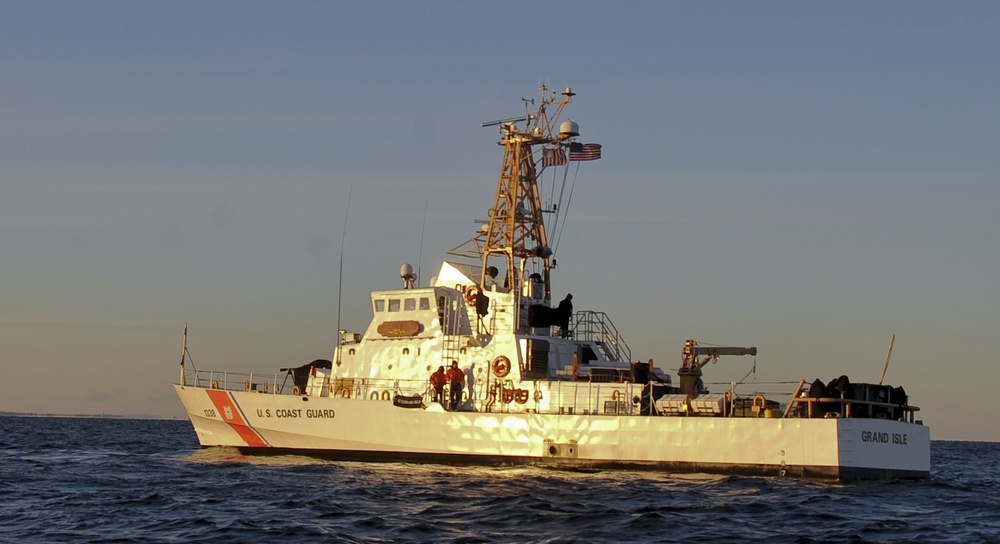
[(564, 312), (456, 381), (438, 379)]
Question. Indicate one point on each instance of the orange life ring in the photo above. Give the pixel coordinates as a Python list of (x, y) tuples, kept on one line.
[(470, 296), (501, 366)]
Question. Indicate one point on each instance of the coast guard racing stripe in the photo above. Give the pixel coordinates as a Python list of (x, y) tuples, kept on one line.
[(226, 405)]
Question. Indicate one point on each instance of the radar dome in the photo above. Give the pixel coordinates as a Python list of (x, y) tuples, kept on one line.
[(408, 276), (568, 129)]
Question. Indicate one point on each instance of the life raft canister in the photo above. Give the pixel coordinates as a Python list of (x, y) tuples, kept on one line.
[(501, 366)]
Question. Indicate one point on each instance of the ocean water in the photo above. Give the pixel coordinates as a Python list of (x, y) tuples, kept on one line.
[(127, 480)]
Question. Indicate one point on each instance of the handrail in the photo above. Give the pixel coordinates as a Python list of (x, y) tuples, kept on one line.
[(847, 403), (597, 327), (233, 381), (584, 398)]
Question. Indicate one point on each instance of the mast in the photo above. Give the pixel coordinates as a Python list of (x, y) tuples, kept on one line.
[(513, 239)]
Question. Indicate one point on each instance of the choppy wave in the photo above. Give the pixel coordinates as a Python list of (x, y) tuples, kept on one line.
[(118, 480)]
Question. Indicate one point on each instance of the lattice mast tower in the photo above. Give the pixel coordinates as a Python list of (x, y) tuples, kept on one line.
[(515, 231)]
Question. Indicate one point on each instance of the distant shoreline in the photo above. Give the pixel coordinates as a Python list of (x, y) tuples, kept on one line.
[(87, 416)]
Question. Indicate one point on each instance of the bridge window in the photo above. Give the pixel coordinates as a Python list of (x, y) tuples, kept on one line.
[(393, 304), (379, 305), (410, 304), (425, 304)]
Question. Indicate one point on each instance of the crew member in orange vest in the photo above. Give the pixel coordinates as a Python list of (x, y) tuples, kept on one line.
[(438, 379), (456, 379)]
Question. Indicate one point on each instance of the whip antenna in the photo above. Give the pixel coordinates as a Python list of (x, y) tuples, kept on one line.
[(420, 254), (886, 367), (340, 279)]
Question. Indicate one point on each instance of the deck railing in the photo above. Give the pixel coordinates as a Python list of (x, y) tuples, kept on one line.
[(564, 397), (811, 407), (597, 327), (234, 381)]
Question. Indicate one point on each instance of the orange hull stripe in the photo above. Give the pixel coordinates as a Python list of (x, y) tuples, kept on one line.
[(227, 410)]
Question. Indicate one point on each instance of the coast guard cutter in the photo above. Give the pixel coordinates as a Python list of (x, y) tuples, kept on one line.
[(545, 384)]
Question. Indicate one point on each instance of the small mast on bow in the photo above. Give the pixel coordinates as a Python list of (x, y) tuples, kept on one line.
[(514, 238)]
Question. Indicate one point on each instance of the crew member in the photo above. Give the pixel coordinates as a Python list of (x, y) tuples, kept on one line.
[(438, 379), (456, 381), (563, 314)]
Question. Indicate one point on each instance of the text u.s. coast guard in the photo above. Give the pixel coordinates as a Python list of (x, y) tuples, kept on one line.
[(296, 413)]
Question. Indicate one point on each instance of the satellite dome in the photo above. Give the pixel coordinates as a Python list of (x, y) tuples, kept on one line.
[(408, 276), (568, 129)]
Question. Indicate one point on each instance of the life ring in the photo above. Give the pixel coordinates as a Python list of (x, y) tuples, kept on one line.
[(470, 296), (215, 384), (507, 396), (521, 396), (296, 391), (386, 395), (501, 366)]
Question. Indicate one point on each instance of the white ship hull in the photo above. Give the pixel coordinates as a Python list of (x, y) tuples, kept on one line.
[(376, 430)]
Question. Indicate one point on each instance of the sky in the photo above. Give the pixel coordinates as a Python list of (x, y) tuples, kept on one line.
[(809, 178)]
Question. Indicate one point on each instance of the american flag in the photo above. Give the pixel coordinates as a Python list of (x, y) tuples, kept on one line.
[(553, 157), (584, 152)]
